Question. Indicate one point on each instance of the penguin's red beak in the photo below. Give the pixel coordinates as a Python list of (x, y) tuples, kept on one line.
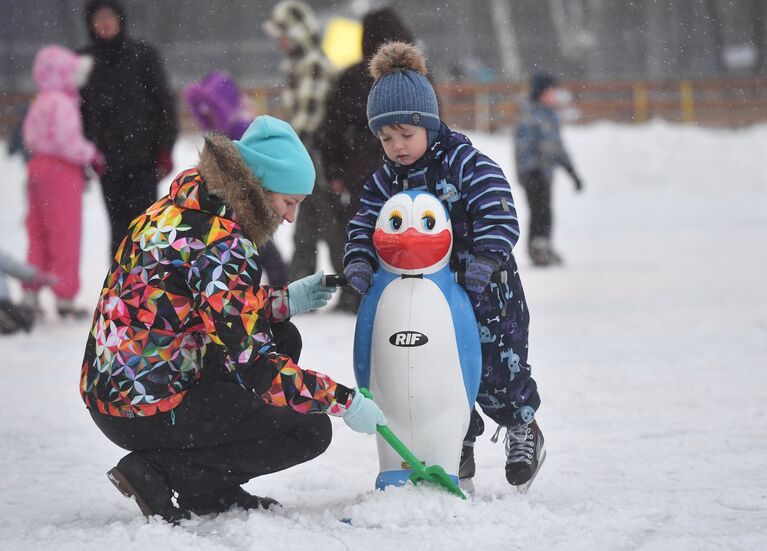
[(411, 249)]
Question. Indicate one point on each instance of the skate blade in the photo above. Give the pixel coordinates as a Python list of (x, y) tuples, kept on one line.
[(522, 489), (467, 485)]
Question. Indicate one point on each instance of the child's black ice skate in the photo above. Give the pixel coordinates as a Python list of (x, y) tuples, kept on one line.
[(68, 309), (466, 469), (542, 253), (525, 453), (15, 318)]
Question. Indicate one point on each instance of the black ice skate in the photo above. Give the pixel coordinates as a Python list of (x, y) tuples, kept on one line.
[(525, 453), (467, 468), (68, 309), (542, 253), (15, 318)]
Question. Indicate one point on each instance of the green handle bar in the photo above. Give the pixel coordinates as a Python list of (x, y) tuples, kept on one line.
[(395, 442)]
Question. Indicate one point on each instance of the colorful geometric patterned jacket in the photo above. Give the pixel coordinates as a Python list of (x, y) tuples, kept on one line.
[(187, 275)]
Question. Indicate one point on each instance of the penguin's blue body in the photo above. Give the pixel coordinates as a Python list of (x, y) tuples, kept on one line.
[(416, 343)]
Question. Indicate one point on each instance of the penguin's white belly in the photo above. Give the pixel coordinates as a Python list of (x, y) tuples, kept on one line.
[(415, 374)]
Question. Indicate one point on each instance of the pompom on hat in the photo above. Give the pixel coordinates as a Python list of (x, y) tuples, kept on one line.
[(276, 156), (401, 93)]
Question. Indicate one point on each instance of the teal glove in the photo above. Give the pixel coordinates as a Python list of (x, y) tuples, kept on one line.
[(308, 293), (364, 414)]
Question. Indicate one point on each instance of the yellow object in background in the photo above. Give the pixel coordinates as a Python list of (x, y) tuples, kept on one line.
[(342, 42)]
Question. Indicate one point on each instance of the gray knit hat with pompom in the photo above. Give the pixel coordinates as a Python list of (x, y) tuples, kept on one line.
[(401, 93)]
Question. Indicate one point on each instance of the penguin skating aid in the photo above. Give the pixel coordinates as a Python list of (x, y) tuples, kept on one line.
[(416, 341)]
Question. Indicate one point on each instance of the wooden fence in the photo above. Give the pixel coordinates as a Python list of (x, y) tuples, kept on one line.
[(489, 107), (730, 103)]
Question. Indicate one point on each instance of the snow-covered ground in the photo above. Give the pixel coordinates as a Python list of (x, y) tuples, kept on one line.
[(649, 347)]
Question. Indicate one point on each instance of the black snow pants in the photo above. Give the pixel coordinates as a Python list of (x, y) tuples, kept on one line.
[(537, 187), (222, 435), (127, 193), (273, 265), (320, 218)]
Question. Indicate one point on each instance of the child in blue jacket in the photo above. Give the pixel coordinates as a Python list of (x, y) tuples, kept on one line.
[(423, 153), (539, 150)]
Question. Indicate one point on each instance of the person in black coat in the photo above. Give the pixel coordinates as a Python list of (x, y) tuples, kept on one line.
[(129, 113), (350, 152)]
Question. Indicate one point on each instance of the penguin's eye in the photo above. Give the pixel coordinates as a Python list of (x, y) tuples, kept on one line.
[(395, 220), (428, 220)]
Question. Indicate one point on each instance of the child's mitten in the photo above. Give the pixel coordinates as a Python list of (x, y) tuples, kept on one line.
[(478, 273), (359, 274)]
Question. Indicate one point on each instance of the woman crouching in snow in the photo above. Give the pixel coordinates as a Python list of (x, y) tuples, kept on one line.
[(190, 363)]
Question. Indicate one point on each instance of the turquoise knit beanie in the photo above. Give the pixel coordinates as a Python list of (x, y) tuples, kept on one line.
[(276, 156)]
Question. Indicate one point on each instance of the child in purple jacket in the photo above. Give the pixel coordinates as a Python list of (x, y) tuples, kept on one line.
[(423, 153), (218, 105)]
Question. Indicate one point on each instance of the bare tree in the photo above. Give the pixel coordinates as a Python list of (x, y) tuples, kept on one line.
[(656, 46), (571, 25), (717, 36), (758, 19), (511, 61)]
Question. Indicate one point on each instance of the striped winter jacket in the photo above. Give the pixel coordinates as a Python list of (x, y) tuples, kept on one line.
[(187, 275), (310, 79), (481, 206)]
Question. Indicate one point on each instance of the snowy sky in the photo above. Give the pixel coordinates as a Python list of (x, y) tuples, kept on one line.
[(649, 349)]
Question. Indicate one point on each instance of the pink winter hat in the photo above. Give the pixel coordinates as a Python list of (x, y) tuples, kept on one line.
[(57, 68)]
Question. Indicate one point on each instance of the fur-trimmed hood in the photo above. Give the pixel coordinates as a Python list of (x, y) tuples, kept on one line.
[(228, 177)]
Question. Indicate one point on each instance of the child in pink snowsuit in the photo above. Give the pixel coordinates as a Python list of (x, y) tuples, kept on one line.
[(53, 134)]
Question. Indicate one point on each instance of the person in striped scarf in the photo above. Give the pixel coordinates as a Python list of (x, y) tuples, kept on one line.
[(309, 79), (421, 152)]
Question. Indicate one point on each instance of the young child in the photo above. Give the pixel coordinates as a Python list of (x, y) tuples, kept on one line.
[(218, 105), (53, 134), (423, 153), (539, 149)]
